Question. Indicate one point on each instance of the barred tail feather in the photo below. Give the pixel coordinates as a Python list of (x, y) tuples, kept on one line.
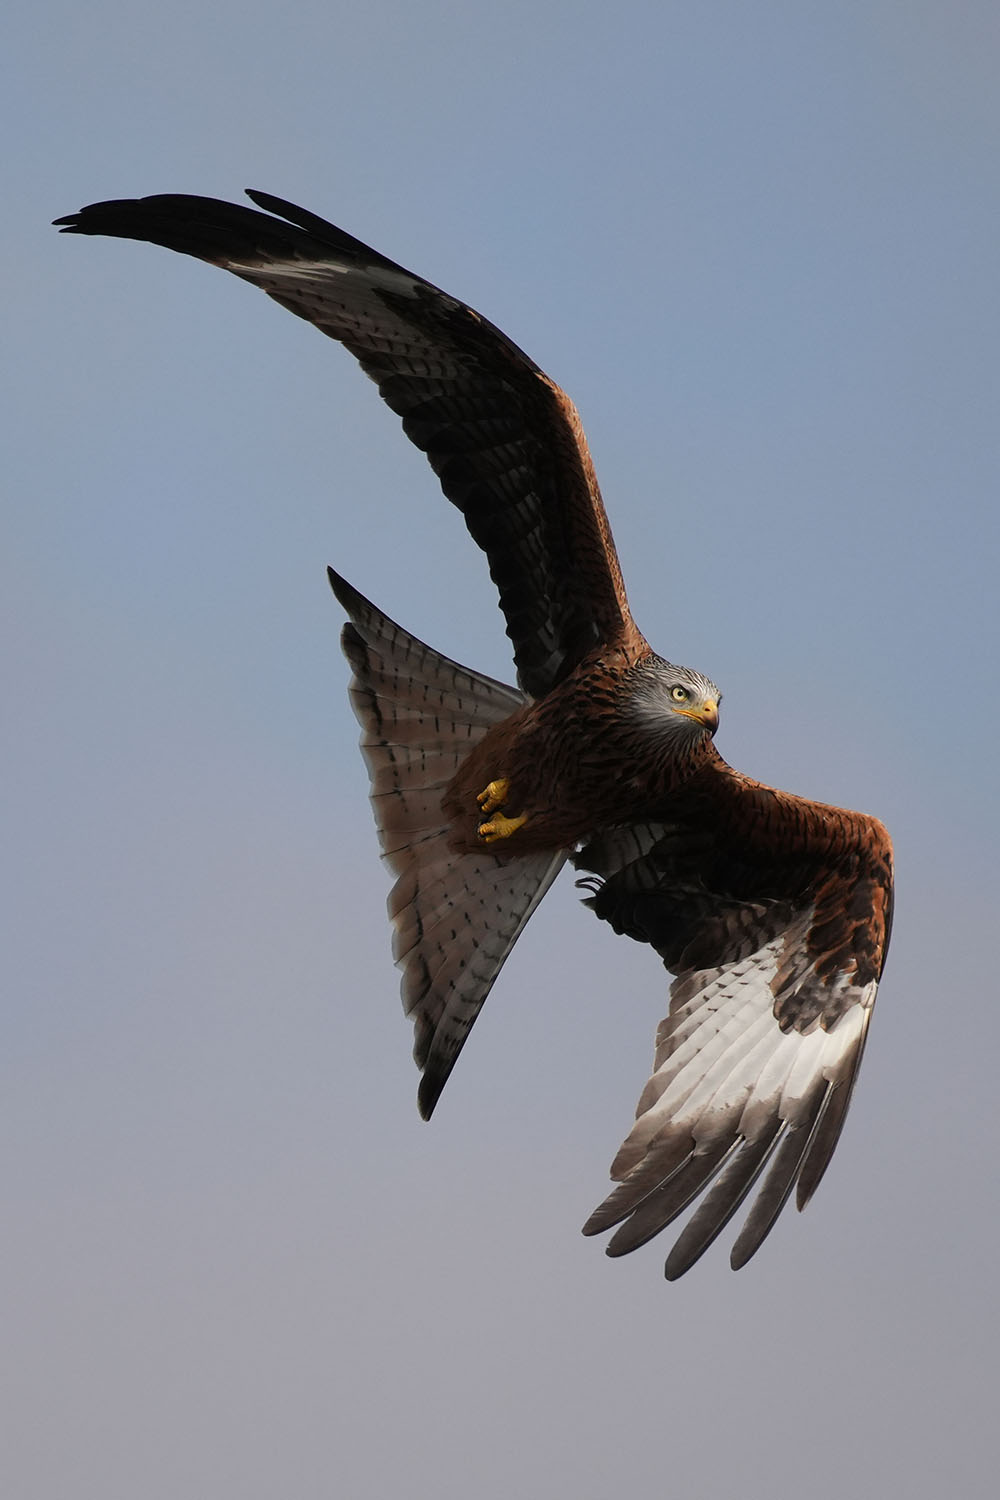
[(455, 917)]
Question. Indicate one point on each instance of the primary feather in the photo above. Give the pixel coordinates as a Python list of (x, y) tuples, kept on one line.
[(773, 912)]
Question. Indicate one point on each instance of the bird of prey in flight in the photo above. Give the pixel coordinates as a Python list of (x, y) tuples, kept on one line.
[(772, 912)]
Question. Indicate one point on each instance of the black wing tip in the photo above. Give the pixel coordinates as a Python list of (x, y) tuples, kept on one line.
[(280, 206), (291, 212), (750, 1239), (350, 598), (608, 1216), (612, 1211), (741, 1255), (784, 1152), (93, 218), (103, 216), (591, 1228), (211, 229), (615, 1252), (428, 1094), (343, 591)]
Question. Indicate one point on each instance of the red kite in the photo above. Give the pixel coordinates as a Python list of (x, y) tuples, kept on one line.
[(772, 912)]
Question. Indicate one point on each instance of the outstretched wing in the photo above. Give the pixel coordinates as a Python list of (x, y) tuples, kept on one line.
[(504, 440), (774, 915)]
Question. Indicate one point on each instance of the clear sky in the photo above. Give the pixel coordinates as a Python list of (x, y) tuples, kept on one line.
[(758, 244)]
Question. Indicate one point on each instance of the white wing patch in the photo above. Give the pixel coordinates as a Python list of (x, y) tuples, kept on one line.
[(730, 1091), (342, 300), (296, 271)]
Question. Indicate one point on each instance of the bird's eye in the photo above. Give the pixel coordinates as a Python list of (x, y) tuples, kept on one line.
[(679, 694)]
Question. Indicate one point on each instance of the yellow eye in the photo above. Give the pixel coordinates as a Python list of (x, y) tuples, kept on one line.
[(679, 694)]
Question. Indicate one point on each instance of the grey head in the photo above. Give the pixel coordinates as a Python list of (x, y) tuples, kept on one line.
[(678, 700)]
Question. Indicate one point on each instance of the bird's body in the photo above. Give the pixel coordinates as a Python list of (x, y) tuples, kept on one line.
[(593, 741), (772, 911)]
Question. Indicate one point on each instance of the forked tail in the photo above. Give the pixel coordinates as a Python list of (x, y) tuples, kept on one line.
[(455, 916)]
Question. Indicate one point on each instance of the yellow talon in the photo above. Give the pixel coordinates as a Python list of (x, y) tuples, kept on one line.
[(494, 796), (500, 827)]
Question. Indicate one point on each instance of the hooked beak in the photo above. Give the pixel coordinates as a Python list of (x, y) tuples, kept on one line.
[(707, 714)]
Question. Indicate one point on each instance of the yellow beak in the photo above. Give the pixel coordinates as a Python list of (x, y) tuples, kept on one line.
[(706, 713)]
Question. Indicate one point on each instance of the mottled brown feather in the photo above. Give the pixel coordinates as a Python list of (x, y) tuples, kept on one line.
[(773, 912), (506, 443)]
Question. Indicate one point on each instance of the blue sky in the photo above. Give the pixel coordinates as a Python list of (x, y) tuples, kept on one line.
[(757, 243)]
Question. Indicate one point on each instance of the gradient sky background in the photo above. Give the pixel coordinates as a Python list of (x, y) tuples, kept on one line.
[(758, 244)]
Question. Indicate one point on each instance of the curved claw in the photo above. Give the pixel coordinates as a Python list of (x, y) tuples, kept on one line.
[(500, 827), (494, 796)]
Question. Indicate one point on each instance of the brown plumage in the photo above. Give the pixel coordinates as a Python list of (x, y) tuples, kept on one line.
[(772, 912)]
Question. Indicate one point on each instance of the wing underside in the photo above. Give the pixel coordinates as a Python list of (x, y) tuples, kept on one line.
[(505, 442), (772, 913), (756, 1062)]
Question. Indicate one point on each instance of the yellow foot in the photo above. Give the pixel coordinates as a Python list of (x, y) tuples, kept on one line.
[(494, 796), (500, 827)]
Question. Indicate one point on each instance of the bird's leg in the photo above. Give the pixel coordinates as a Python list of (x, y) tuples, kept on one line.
[(499, 826), (494, 796)]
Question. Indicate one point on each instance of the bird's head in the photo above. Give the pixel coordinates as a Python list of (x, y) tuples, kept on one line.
[(680, 700)]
